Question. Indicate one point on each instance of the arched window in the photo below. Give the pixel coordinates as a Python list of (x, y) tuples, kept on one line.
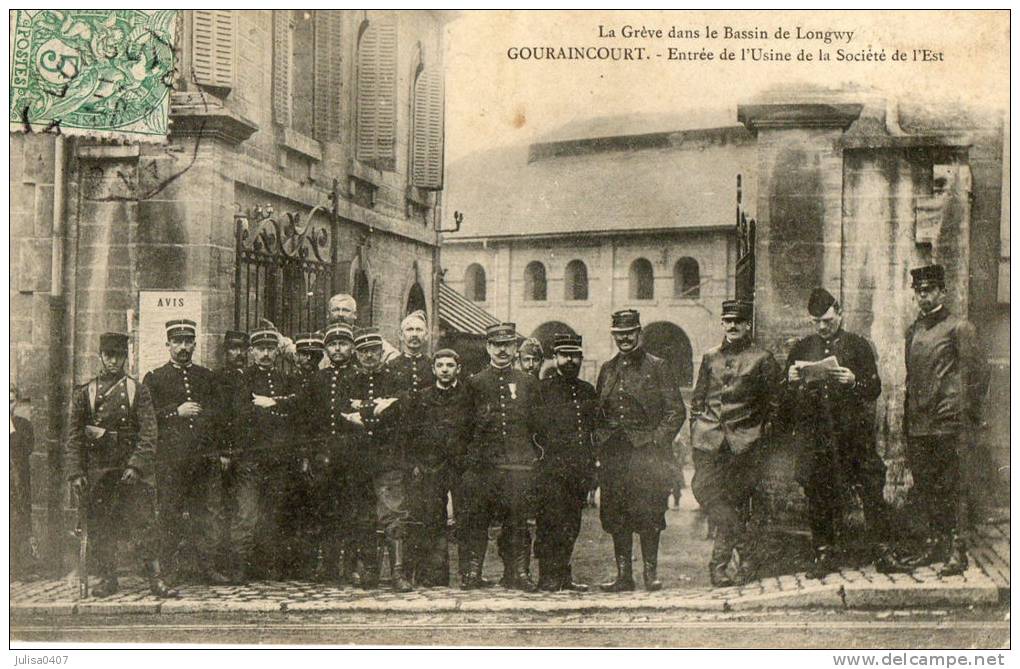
[(687, 279), (575, 281), (534, 281), (416, 299), (474, 282), (642, 285), (363, 296)]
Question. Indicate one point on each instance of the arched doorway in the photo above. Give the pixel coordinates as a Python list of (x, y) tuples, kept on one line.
[(670, 342), (547, 331), (416, 299)]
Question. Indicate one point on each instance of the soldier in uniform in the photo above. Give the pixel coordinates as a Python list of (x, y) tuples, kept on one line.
[(499, 480), (332, 482), (109, 461), (734, 400), (238, 481), (437, 426), (413, 368), (567, 464), (947, 377), (186, 401), (376, 405), (305, 524), (641, 410), (274, 401), (834, 418)]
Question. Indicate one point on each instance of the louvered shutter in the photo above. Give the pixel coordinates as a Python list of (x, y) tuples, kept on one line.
[(281, 66), (327, 75), (212, 48), (427, 143), (377, 95)]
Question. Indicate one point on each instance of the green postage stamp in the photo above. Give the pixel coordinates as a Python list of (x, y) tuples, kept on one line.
[(101, 73)]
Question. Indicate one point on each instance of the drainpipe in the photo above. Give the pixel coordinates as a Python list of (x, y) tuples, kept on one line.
[(61, 322)]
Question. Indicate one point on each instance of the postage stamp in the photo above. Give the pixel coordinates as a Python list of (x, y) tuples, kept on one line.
[(103, 73)]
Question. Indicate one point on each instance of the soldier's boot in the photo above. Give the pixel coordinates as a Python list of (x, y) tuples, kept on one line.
[(157, 586), (747, 568), (400, 582), (568, 582), (650, 557), (888, 562), (549, 575), (521, 550), (956, 564), (718, 563), (823, 563), (623, 551)]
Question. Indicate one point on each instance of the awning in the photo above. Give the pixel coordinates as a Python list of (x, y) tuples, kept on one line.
[(460, 314)]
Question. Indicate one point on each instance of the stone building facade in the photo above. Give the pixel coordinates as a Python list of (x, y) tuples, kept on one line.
[(560, 235), (310, 141)]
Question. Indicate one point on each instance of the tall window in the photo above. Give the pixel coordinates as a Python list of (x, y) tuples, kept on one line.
[(377, 94), (534, 281), (427, 128), (474, 282), (575, 281), (363, 296), (642, 284), (213, 46), (306, 74), (687, 279)]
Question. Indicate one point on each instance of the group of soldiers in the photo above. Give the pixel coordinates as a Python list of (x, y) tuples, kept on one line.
[(252, 473)]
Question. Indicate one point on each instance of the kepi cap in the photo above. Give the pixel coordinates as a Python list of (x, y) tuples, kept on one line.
[(235, 338), (820, 302), (567, 343), (338, 330), (181, 327), (929, 275), (308, 341), (367, 338), (740, 310), (113, 341), (626, 320), (501, 333)]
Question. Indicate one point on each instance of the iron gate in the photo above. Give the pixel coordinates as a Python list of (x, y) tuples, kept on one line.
[(745, 249), (285, 270)]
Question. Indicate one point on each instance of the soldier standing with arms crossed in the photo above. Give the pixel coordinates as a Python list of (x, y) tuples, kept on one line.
[(566, 468), (499, 480), (109, 459), (734, 399), (641, 411), (947, 377)]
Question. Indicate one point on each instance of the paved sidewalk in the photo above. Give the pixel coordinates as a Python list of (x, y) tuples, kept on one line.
[(853, 589)]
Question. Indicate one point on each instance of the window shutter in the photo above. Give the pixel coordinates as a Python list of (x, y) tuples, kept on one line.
[(427, 144), (212, 48), (327, 76), (281, 66), (377, 95)]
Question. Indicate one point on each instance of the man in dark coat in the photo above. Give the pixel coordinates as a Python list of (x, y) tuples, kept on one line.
[(376, 404), (735, 398), (641, 410), (109, 460), (499, 479), (186, 401), (567, 464), (327, 399), (436, 427), (305, 522), (947, 377), (274, 401), (238, 482), (413, 367), (22, 553), (833, 420)]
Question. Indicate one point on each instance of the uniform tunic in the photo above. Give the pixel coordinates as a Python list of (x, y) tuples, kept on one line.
[(834, 426), (569, 408), (185, 450), (239, 485), (947, 377), (123, 408), (641, 410), (736, 395)]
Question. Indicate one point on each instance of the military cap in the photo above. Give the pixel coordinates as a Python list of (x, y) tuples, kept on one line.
[(181, 327), (265, 336), (626, 320), (235, 338), (308, 341), (929, 275), (567, 343), (446, 353), (739, 310), (819, 302), (367, 338), (113, 341), (501, 333), (532, 346), (338, 330)]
